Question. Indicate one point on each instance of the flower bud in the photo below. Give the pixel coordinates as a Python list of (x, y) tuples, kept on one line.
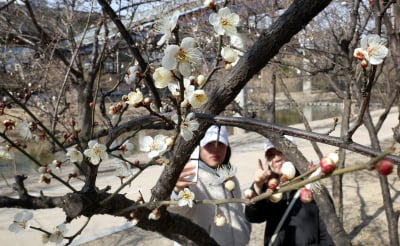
[(219, 220), (209, 4), (134, 221), (275, 197), (155, 214), (384, 166), (228, 66), (273, 183), (147, 101), (288, 171), (249, 193), (334, 156), (169, 141), (364, 63), (306, 195), (200, 80), (229, 185), (327, 165), (185, 104)]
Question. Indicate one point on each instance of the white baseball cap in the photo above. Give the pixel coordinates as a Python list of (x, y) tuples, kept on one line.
[(269, 145), (215, 133)]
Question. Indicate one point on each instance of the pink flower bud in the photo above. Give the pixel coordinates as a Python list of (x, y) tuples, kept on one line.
[(306, 195)]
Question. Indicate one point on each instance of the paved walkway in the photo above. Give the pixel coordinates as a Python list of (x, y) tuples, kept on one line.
[(246, 149)]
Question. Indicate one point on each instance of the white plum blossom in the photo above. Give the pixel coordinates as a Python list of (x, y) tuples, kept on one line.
[(58, 236), (23, 129), (162, 77), (135, 97), (74, 155), (45, 176), (195, 97), (20, 222), (123, 170), (188, 87), (130, 74), (230, 55), (372, 49), (174, 89), (166, 25), (198, 98), (185, 198), (155, 147), (181, 57), (96, 152), (224, 21), (44, 169), (187, 125), (5, 153)]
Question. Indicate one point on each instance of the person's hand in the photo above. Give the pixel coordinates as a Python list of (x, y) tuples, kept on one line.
[(260, 177), (188, 170)]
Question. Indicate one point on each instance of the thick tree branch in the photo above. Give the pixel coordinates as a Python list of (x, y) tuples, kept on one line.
[(87, 204), (267, 129)]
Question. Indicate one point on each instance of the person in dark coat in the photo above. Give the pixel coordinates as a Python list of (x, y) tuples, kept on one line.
[(302, 226)]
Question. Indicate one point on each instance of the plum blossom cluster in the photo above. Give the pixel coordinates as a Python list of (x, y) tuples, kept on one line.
[(22, 223), (176, 73), (23, 128)]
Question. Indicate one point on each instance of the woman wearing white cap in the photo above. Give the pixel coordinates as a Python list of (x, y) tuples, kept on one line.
[(302, 225), (214, 171)]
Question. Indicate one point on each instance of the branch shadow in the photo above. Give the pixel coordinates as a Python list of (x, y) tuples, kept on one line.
[(368, 219)]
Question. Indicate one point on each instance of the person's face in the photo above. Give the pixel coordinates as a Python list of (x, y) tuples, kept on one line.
[(275, 159), (213, 153)]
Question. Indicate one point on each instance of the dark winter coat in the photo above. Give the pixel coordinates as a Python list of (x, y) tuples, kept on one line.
[(302, 227)]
